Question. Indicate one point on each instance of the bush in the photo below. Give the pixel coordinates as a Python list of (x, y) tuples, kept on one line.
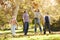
[(56, 26)]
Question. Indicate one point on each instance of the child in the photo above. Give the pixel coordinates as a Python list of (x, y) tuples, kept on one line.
[(13, 24)]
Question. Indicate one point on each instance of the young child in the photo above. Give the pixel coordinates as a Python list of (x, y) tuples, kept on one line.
[(13, 25)]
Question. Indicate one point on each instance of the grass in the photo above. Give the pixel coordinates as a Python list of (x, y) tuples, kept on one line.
[(6, 35), (30, 36), (36, 37)]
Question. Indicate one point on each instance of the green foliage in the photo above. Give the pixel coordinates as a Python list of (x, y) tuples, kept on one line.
[(56, 25), (6, 15)]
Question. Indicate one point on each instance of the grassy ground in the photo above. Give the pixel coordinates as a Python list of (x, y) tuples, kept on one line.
[(31, 36), (38, 37), (6, 35)]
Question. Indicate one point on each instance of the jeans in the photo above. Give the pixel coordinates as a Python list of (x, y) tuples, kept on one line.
[(47, 25), (26, 26), (13, 29), (37, 21)]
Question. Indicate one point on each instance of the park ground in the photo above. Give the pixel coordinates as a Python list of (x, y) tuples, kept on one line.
[(6, 35)]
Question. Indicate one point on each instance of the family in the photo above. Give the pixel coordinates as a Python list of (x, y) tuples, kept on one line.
[(37, 19)]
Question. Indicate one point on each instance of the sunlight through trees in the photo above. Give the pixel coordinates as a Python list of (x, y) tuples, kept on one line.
[(9, 8)]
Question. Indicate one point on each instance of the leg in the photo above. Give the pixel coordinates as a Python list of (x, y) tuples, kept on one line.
[(40, 27), (49, 28), (26, 28), (38, 22), (35, 25), (45, 28), (35, 28), (13, 29)]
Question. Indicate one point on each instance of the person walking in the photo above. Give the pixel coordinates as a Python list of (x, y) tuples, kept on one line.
[(47, 23), (25, 22), (37, 20), (13, 25)]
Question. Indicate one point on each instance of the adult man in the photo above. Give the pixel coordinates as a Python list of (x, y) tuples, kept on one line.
[(26, 22), (37, 19)]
